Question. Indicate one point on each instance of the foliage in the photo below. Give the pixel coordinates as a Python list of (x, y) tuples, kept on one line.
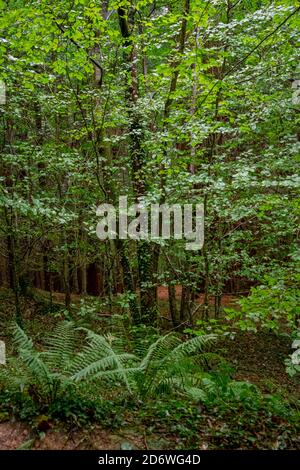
[(167, 364), (218, 389), (168, 376), (293, 362), (59, 369), (269, 305), (46, 375), (224, 422), (212, 326), (178, 102), (211, 120)]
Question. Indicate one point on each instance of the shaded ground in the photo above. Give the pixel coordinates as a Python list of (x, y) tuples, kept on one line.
[(12, 435), (15, 435), (259, 358), (210, 431), (256, 357)]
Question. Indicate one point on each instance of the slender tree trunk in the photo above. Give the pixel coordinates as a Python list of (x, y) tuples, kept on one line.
[(148, 307), (67, 286), (128, 282), (75, 281), (13, 265), (172, 305), (83, 280)]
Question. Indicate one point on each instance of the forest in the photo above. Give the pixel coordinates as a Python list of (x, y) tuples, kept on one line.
[(121, 116)]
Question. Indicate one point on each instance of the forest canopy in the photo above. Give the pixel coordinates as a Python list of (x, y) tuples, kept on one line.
[(186, 102)]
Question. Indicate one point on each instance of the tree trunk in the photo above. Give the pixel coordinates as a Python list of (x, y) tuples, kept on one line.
[(148, 307), (13, 266), (172, 305)]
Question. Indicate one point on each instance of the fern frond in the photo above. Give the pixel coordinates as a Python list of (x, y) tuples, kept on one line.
[(21, 340), (60, 346), (159, 349), (190, 347), (109, 362), (196, 394), (98, 356), (97, 348), (119, 374), (37, 367), (169, 358)]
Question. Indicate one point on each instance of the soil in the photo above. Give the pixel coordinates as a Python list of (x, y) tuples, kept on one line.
[(259, 358), (16, 435)]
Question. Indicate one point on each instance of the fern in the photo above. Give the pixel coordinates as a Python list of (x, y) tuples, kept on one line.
[(41, 372), (98, 358), (21, 340), (165, 368), (60, 365), (167, 361)]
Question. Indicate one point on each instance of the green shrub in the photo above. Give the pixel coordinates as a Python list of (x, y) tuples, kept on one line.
[(268, 305), (218, 389), (293, 361)]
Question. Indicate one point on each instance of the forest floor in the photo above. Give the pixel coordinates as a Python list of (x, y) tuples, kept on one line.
[(259, 358), (255, 357)]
